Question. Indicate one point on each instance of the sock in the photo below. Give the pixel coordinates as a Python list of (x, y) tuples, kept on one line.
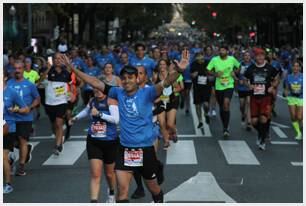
[(111, 192), (158, 198), (296, 127), (122, 201), (138, 180), (226, 119)]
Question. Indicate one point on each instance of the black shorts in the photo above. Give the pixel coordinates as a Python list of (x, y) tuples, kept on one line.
[(24, 129), (8, 141), (42, 95), (150, 163), (174, 103), (187, 85), (102, 150), (222, 94), (201, 94), (56, 111), (71, 105), (244, 94)]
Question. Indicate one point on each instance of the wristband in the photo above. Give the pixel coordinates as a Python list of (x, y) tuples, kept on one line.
[(101, 114)]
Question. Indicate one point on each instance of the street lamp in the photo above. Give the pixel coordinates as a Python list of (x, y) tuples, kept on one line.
[(12, 10)]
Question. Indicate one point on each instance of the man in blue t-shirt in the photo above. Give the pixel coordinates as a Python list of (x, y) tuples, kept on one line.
[(102, 58), (124, 61), (77, 60), (136, 151), (13, 104), (142, 60), (29, 93)]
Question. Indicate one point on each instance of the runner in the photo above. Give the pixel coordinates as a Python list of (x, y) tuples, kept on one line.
[(244, 92), (124, 61), (92, 70), (261, 79), (224, 68), (201, 87), (141, 60), (136, 150), (294, 93), (108, 77), (101, 143), (57, 99), (12, 104), (29, 73), (28, 92)]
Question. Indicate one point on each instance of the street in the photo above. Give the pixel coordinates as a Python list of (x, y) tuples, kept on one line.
[(198, 168)]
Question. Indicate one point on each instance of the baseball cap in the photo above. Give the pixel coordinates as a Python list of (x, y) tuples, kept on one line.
[(258, 51), (128, 70)]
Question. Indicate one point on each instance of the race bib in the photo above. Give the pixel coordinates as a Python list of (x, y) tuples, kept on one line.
[(259, 89), (167, 91), (164, 98), (98, 129), (58, 91), (133, 157), (296, 88), (224, 81), (202, 80)]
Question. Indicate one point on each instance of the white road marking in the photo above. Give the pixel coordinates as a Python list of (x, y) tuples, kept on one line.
[(279, 132), (284, 143), (72, 151), (279, 125), (297, 164), (201, 188), (182, 152), (196, 121), (238, 152)]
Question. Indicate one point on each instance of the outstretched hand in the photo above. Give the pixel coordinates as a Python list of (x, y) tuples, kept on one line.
[(64, 60), (183, 64)]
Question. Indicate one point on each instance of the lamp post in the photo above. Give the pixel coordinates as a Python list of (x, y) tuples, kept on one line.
[(29, 23), (12, 12)]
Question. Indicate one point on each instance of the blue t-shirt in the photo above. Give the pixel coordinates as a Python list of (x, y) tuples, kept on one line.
[(10, 68), (148, 63), (98, 128), (295, 85), (277, 65), (78, 62), (101, 60), (136, 126), (10, 99), (114, 58), (173, 54), (28, 92), (243, 68), (118, 68), (95, 72)]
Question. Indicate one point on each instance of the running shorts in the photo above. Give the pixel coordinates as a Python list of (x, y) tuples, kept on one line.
[(8, 141), (295, 101), (24, 129), (56, 111), (261, 106), (201, 94)]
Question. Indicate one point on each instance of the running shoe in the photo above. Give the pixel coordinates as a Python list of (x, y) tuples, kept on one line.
[(166, 145), (138, 193), (249, 127), (29, 153), (174, 138), (262, 146), (7, 188), (200, 125), (110, 198), (258, 141), (21, 172), (213, 113), (57, 149), (299, 137), (226, 133)]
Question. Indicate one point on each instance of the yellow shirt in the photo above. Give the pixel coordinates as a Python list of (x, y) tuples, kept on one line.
[(32, 76)]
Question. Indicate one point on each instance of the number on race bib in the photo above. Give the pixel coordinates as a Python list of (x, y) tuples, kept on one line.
[(202, 80), (98, 129), (133, 157), (259, 89), (224, 81)]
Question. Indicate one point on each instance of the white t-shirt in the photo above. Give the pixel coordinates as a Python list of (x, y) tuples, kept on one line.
[(56, 93)]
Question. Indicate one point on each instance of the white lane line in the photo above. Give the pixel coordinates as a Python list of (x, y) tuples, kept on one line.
[(279, 125), (201, 188), (182, 152), (297, 164), (279, 132), (284, 143), (51, 137), (72, 151), (196, 121), (238, 153)]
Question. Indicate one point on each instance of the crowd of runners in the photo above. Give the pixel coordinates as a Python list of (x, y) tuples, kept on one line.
[(131, 94)]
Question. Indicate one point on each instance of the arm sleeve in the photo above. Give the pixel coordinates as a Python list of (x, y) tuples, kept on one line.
[(83, 113), (114, 115)]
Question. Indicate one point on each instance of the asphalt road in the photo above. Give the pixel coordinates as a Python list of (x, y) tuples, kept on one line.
[(199, 168)]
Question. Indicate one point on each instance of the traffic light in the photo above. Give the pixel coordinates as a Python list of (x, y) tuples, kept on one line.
[(252, 34), (214, 34), (214, 14)]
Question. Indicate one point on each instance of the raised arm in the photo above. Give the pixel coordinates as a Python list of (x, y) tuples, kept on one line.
[(92, 81)]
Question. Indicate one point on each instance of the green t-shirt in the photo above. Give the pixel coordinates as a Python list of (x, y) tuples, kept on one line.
[(228, 65), (32, 76)]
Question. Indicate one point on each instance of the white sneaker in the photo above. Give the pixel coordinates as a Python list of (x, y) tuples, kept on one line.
[(213, 113), (7, 189), (111, 199), (298, 137)]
